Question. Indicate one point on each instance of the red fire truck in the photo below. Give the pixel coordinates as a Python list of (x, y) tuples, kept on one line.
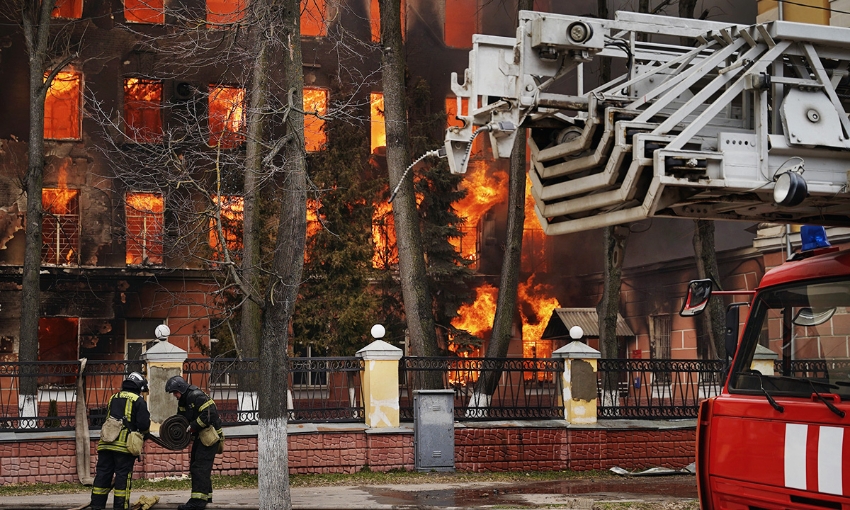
[(775, 436), (710, 120)]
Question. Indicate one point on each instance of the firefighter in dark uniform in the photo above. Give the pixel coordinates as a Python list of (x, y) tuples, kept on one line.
[(197, 407), (113, 457)]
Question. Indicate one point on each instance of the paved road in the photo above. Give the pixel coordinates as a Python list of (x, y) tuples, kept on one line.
[(661, 491)]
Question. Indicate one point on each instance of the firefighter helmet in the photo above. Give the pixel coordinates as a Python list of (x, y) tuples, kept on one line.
[(135, 381), (176, 383)]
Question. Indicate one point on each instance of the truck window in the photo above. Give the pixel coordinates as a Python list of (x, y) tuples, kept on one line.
[(805, 329)]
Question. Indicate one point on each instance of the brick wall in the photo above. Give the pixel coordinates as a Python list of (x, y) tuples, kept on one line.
[(478, 447)]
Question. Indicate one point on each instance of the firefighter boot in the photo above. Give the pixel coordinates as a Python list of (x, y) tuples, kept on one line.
[(193, 504)]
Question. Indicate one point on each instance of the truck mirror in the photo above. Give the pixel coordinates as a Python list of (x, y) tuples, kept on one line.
[(699, 292), (730, 334), (808, 317)]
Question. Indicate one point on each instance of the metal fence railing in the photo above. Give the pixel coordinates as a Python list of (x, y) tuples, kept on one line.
[(519, 388), (329, 389), (655, 389)]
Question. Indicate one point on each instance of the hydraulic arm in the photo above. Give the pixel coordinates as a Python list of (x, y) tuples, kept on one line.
[(718, 121)]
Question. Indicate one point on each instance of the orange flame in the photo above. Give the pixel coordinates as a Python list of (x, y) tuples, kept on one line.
[(315, 100), (60, 200), (485, 187), (385, 253), (231, 209), (377, 123), (477, 317)]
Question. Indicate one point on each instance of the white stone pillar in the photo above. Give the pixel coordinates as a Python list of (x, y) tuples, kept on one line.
[(380, 384), (580, 365), (763, 360), (164, 361)]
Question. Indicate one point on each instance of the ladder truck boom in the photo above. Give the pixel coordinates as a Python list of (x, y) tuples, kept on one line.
[(720, 121)]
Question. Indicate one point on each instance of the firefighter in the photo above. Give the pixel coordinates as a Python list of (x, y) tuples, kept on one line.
[(113, 457), (197, 407)]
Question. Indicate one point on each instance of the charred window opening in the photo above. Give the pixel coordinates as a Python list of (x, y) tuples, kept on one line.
[(661, 327), (57, 339), (385, 254), (377, 121), (60, 226), (102, 339), (461, 23), (69, 9), (315, 100), (144, 11), (223, 12), (375, 19), (145, 219), (226, 116), (314, 225), (62, 107), (313, 18), (230, 210), (537, 349), (142, 110)]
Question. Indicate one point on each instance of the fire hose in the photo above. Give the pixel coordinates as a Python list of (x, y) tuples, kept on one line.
[(172, 433)]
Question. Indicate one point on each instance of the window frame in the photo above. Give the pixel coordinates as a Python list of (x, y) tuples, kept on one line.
[(76, 103)]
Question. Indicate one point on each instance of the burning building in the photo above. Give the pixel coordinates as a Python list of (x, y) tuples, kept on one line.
[(110, 272)]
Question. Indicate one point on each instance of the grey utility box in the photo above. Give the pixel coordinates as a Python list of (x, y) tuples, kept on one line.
[(434, 430)]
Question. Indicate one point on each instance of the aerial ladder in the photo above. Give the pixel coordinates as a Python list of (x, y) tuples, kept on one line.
[(709, 120)]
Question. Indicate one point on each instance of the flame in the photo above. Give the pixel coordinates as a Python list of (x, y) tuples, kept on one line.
[(477, 317), (315, 100), (313, 223), (231, 209), (226, 115), (485, 187), (313, 14), (385, 253), (60, 200), (150, 203), (378, 126), (144, 213), (536, 309)]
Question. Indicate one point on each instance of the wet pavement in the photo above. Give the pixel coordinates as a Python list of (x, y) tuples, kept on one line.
[(567, 493)]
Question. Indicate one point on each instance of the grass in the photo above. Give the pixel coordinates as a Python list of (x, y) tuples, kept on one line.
[(364, 477)]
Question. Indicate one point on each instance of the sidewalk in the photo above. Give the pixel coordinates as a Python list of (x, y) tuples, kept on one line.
[(550, 494)]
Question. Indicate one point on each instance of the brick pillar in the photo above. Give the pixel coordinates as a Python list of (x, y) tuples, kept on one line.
[(763, 360), (579, 382), (164, 360), (380, 384)]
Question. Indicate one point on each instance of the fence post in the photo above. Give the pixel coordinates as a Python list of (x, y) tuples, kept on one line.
[(380, 383), (164, 360), (763, 360), (579, 382)]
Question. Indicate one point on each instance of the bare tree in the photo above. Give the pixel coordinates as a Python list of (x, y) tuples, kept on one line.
[(412, 270)]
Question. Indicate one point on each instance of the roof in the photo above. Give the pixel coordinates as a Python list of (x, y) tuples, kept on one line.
[(564, 318)]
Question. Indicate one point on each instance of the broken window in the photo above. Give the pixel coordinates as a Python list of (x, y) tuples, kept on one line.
[(70, 9), (145, 219), (62, 106), (144, 11), (313, 17), (315, 100), (377, 121), (231, 209), (385, 254), (60, 226), (226, 116), (142, 110), (375, 19), (57, 339), (537, 349), (461, 23), (222, 12)]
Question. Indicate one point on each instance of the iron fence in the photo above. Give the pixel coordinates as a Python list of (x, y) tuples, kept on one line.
[(519, 389), (655, 389), (320, 390)]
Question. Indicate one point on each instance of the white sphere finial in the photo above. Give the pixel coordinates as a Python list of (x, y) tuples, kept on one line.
[(576, 332), (162, 331), (378, 332)]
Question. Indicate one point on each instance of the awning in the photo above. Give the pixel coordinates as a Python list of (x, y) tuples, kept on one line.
[(564, 318)]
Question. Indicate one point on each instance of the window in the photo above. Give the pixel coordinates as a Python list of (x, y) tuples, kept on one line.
[(144, 11), (313, 16), (231, 209), (378, 124), (145, 219), (140, 334), (314, 225), (70, 9), (660, 330), (315, 100), (62, 107), (222, 12), (142, 107), (226, 116), (461, 23), (60, 226), (385, 254), (375, 19)]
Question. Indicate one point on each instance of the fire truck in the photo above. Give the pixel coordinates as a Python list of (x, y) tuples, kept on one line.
[(714, 121)]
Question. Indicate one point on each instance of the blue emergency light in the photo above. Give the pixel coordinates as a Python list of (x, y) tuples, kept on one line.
[(813, 237)]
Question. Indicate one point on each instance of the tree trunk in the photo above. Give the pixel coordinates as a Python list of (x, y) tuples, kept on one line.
[(506, 305), (614, 241), (412, 271), (282, 288), (36, 22), (713, 322)]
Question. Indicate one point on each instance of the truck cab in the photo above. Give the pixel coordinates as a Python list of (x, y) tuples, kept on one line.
[(777, 435)]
